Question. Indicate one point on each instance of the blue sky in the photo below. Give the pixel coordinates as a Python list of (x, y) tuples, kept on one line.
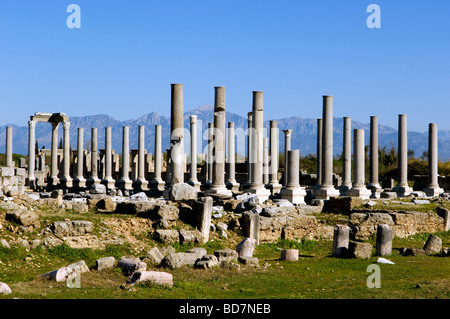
[(126, 54)]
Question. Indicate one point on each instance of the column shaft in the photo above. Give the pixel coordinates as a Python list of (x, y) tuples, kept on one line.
[(31, 152), (8, 147), (373, 178), (176, 139)]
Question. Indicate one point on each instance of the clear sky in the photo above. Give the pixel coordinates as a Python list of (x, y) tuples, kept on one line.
[(126, 54)]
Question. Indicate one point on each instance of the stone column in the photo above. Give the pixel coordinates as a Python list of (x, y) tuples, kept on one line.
[(341, 238), (231, 184), (204, 211), (8, 147), (359, 184), (402, 188), (94, 159), (157, 184), (373, 178), (125, 183), (249, 150), (274, 185), (251, 225), (256, 185), (31, 153), (108, 180), (66, 180), (287, 148), (176, 138), (140, 184), (433, 188), (319, 154), (79, 180), (385, 235), (53, 179), (266, 160), (193, 181), (327, 189), (347, 157), (218, 176), (209, 156), (293, 192)]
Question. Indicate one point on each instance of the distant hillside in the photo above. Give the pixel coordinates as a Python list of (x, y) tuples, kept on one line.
[(303, 137)]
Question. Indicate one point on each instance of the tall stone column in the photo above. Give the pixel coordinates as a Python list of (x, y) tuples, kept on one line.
[(359, 184), (176, 137), (8, 147), (274, 186), (327, 189), (140, 184), (287, 148), (79, 180), (373, 151), (66, 180), (93, 180), (347, 157), (266, 160), (433, 188), (108, 180), (293, 192), (157, 184), (231, 184), (31, 153), (218, 176), (193, 181), (319, 154), (257, 186), (209, 156), (53, 179), (249, 150), (125, 183), (402, 188)]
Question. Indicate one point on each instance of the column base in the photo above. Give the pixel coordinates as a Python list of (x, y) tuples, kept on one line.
[(93, 181), (66, 182), (233, 186), (294, 195), (218, 189), (261, 192), (326, 192), (360, 192), (125, 184), (402, 191), (274, 188), (373, 185), (79, 182), (376, 192), (196, 184), (344, 189), (433, 191), (109, 183), (246, 186), (156, 185), (52, 181), (140, 185)]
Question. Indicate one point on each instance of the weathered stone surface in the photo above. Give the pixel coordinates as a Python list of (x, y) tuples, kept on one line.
[(182, 191), (24, 218), (135, 207), (388, 195), (221, 226), (4, 243), (98, 189), (167, 212), (178, 260), (198, 251), (230, 205), (413, 252), (106, 204), (433, 245), (167, 250), (341, 239), (4, 289), (229, 265), (226, 254), (289, 254), (52, 242), (359, 250), (444, 214), (206, 262), (80, 207), (105, 263), (385, 235), (81, 265), (249, 261), (167, 235), (187, 236), (138, 197), (131, 265), (58, 275), (154, 277), (341, 205), (246, 247), (153, 257), (71, 228)]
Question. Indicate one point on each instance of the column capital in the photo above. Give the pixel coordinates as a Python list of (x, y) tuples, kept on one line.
[(31, 124), (66, 125), (288, 132), (193, 119)]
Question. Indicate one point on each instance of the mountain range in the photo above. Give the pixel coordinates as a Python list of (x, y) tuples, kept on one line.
[(304, 133)]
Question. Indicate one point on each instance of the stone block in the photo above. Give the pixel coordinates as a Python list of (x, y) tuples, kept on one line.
[(131, 265), (249, 261), (167, 235), (226, 254), (105, 263), (433, 245), (359, 250), (289, 254), (246, 247), (153, 257), (4, 289), (182, 191), (159, 278)]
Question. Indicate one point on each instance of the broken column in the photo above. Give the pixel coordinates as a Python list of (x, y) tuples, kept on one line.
[(231, 184), (108, 180), (8, 147), (374, 185), (66, 180), (31, 153), (157, 184), (319, 154), (256, 185), (266, 161), (209, 156), (140, 184), (402, 188), (125, 183), (218, 176), (347, 157), (193, 181), (177, 135), (287, 148), (359, 183), (341, 238), (79, 180), (293, 192), (251, 225), (204, 209), (433, 188), (94, 159), (274, 185), (249, 150), (385, 235), (327, 189)]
